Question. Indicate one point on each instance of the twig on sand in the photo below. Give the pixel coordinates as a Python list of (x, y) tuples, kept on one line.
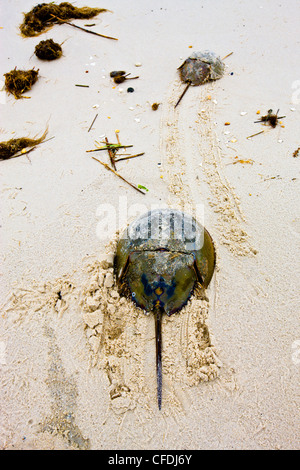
[(117, 174), (83, 29), (111, 146), (130, 156), (111, 154), (228, 55), (112, 149), (93, 122), (253, 135)]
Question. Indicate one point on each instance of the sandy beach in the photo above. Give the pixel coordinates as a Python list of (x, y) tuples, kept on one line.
[(77, 360)]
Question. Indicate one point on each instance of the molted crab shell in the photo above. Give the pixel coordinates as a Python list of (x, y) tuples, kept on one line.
[(200, 67)]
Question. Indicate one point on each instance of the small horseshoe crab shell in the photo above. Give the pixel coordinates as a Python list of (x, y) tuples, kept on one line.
[(200, 67), (159, 259)]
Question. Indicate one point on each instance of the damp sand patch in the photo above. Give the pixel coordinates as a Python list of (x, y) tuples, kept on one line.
[(31, 312), (63, 393)]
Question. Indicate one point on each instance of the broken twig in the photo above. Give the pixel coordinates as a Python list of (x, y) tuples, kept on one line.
[(253, 135), (111, 146), (228, 55), (93, 122), (111, 154), (83, 29), (117, 137), (117, 174), (130, 156)]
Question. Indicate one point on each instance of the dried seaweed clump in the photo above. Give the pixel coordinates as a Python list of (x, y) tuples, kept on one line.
[(270, 118), (17, 147), (45, 15), (19, 81), (48, 50)]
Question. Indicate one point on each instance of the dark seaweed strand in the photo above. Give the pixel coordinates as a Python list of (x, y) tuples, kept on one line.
[(41, 16), (158, 318), (10, 148)]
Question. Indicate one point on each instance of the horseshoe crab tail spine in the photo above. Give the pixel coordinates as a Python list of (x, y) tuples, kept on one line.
[(158, 318), (183, 93)]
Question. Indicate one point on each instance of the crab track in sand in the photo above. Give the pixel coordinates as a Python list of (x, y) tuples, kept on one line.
[(192, 162)]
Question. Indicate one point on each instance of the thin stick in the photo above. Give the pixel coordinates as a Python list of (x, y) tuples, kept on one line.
[(117, 136), (91, 32), (128, 158), (93, 122), (117, 174), (130, 78), (111, 154), (115, 145), (253, 135), (83, 29), (47, 140), (84, 86), (111, 146), (230, 53), (267, 120), (184, 92)]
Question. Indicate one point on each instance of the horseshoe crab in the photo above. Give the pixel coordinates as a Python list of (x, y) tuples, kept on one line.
[(200, 67), (159, 259)]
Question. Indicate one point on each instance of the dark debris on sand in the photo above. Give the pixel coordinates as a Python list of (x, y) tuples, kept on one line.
[(48, 50), (19, 81), (44, 15), (15, 147)]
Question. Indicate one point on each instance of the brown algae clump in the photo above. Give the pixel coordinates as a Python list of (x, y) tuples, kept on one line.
[(48, 50), (11, 148), (155, 106), (44, 15), (19, 81)]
